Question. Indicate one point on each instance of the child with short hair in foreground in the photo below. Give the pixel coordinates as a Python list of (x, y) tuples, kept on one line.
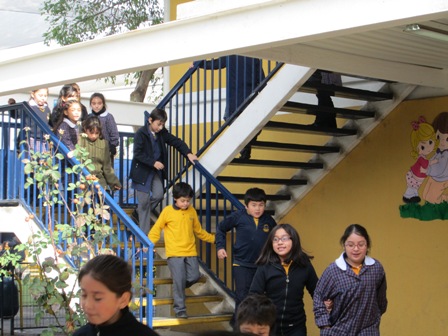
[(105, 283), (256, 315)]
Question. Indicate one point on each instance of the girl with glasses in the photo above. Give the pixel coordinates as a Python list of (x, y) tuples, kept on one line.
[(356, 283), (284, 271)]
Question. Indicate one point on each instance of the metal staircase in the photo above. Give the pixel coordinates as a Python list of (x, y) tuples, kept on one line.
[(288, 158), (289, 179)]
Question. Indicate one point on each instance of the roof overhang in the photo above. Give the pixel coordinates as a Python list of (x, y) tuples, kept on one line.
[(363, 38)]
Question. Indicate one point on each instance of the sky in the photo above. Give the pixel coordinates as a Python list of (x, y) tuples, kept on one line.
[(20, 23)]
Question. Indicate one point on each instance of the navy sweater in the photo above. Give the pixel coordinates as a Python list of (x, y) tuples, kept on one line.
[(249, 237)]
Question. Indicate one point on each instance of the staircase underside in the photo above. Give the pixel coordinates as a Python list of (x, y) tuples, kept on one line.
[(287, 178)]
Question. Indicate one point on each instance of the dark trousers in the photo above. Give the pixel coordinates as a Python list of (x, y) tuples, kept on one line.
[(324, 118), (242, 277)]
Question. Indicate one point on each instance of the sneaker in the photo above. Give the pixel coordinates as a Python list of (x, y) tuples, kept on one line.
[(245, 153), (182, 314)]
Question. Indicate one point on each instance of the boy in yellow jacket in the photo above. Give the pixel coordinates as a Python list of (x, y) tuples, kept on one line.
[(181, 227)]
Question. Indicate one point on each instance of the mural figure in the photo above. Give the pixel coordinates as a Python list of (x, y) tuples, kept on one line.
[(423, 141), (437, 171)]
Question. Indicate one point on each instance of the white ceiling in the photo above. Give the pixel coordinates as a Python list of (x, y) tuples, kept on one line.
[(388, 53)]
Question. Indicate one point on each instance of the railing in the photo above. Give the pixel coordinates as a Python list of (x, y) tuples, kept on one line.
[(127, 242), (208, 93), (213, 205), (210, 96), (200, 106), (196, 109)]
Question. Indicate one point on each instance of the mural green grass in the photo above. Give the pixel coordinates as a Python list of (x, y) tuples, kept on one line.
[(425, 212)]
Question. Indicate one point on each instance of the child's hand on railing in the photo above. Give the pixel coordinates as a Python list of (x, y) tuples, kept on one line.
[(192, 157)]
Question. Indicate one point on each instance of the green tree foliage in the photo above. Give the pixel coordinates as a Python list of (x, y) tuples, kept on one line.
[(55, 290), (72, 21)]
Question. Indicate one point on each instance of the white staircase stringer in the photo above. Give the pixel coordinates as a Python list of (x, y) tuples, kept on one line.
[(275, 94), (17, 220), (347, 144)]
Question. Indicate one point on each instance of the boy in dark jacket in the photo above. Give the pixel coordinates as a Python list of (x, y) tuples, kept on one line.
[(252, 227), (148, 169)]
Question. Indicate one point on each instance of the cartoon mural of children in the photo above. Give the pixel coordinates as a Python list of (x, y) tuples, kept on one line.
[(438, 171), (423, 141)]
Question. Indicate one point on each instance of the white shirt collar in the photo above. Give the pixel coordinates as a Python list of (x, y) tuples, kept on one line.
[(68, 121), (342, 264)]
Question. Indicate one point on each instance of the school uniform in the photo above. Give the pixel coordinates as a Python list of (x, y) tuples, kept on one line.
[(285, 286), (109, 130), (126, 325), (147, 180), (358, 300), (250, 238), (99, 154), (180, 228)]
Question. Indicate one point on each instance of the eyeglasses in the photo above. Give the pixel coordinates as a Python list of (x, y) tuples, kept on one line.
[(360, 245), (284, 239)]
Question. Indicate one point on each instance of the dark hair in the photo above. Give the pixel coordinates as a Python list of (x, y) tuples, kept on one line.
[(440, 123), (100, 96), (158, 114), (111, 271), (358, 230), (67, 91), (256, 309), (254, 194), (64, 107), (92, 123), (11, 101), (221, 333), (182, 189), (297, 254), (75, 86)]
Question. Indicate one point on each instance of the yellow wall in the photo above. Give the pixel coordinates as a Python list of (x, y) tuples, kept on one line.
[(177, 71), (367, 188)]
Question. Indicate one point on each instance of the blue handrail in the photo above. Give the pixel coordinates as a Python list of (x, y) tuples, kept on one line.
[(131, 244)]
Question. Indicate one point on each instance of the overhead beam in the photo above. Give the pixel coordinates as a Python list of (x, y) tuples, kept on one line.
[(313, 57), (271, 24)]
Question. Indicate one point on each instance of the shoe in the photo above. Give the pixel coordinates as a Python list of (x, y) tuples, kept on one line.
[(245, 153), (181, 314), (414, 199), (324, 124), (202, 278)]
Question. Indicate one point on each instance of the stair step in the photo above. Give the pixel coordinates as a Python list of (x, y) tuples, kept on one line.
[(156, 262), (310, 129), (296, 107), (261, 180), (282, 164), (346, 92), (160, 262), (188, 299), (296, 147), (159, 322), (241, 196), (169, 281), (221, 212)]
